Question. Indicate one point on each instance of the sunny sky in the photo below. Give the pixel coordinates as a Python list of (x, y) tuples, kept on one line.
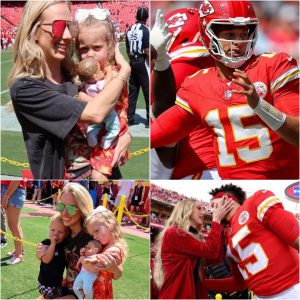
[(199, 189)]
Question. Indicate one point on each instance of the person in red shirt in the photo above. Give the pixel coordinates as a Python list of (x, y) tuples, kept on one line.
[(180, 250), (249, 103), (262, 245)]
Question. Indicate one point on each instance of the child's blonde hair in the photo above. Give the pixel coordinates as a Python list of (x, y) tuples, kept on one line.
[(58, 217), (110, 37), (180, 217), (108, 219)]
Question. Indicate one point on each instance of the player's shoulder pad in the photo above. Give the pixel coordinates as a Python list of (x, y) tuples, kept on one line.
[(270, 57)]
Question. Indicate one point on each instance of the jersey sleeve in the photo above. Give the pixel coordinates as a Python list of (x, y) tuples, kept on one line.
[(284, 82), (186, 98), (37, 105), (271, 213), (171, 126), (266, 202), (182, 242)]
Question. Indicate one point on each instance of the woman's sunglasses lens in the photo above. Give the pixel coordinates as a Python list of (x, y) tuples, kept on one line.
[(71, 210), (58, 28), (59, 207)]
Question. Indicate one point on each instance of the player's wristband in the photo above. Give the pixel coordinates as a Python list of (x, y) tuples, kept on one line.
[(162, 62), (273, 117)]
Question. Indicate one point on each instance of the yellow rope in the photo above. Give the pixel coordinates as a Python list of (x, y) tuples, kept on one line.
[(44, 198), (26, 165), (14, 162), (137, 224), (136, 215), (17, 239), (139, 152)]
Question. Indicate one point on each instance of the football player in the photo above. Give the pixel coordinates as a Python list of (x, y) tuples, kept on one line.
[(187, 55), (262, 245), (249, 103)]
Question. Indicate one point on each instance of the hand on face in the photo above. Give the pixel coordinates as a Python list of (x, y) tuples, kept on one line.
[(221, 207), (53, 238)]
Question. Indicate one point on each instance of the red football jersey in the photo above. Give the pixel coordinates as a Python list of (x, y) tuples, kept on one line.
[(244, 145), (261, 251), (186, 59)]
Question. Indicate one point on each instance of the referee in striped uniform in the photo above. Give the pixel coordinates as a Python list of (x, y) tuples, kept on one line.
[(137, 46)]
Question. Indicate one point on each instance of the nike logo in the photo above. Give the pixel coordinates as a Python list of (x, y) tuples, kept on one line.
[(290, 58)]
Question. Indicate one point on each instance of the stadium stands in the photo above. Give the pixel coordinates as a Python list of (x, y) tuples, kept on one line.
[(123, 14)]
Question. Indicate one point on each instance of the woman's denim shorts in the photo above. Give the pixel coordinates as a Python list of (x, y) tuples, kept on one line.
[(17, 199)]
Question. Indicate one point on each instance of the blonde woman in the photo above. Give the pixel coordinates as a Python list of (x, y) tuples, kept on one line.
[(44, 93), (75, 204), (180, 250)]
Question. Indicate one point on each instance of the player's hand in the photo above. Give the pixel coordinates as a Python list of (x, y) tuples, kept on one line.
[(160, 35), (159, 38), (122, 146), (249, 90)]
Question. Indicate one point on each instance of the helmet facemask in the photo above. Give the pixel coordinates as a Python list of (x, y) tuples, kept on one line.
[(216, 48)]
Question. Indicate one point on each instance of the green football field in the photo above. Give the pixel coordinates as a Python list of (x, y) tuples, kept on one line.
[(20, 281), (13, 153)]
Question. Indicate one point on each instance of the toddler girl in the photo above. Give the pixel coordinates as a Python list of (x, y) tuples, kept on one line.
[(53, 261), (96, 38), (103, 226)]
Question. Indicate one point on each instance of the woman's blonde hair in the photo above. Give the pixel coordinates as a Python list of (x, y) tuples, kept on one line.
[(108, 219), (82, 197), (180, 217), (110, 37), (29, 58)]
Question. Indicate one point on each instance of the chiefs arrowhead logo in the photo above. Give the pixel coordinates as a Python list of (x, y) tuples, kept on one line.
[(206, 9), (292, 192), (177, 20)]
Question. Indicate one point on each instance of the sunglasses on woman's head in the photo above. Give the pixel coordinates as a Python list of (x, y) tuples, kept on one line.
[(59, 27), (71, 209)]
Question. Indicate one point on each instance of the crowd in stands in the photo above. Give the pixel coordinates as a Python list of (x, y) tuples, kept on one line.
[(171, 197), (123, 14)]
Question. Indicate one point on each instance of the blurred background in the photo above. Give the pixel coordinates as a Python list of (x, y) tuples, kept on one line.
[(278, 23)]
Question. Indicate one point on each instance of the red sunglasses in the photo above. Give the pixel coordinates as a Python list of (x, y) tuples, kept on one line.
[(59, 27)]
